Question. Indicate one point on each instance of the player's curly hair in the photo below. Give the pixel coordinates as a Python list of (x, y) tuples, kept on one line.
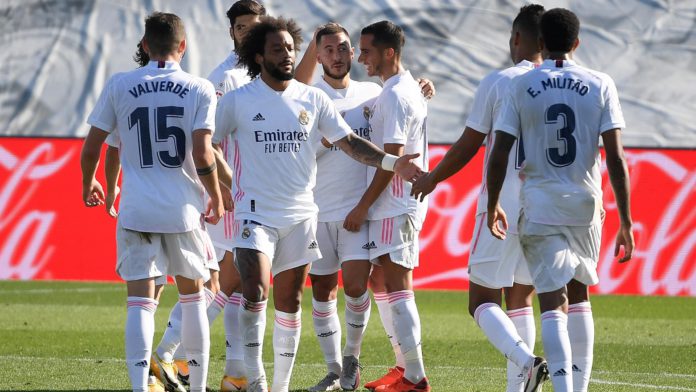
[(559, 29), (141, 57), (255, 41), (528, 19)]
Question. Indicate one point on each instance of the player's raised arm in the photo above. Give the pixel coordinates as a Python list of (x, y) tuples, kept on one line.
[(497, 166), (306, 66), (618, 175)]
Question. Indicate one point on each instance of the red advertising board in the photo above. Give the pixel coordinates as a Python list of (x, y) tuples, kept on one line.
[(47, 233)]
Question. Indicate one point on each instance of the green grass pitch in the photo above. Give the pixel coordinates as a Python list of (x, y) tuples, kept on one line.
[(69, 336)]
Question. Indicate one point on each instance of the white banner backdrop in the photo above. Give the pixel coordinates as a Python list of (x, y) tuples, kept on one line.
[(57, 54)]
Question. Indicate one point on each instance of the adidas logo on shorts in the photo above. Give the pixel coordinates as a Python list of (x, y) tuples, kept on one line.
[(370, 245), (313, 245), (258, 117)]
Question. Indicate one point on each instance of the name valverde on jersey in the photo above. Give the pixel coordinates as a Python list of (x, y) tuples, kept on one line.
[(275, 140), (399, 117), (561, 170), (485, 109), (341, 180), (155, 110)]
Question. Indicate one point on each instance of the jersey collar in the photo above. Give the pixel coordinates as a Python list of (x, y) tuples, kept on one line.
[(163, 65), (548, 63), (396, 78), (527, 64)]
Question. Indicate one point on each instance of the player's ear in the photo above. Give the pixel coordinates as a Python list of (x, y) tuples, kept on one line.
[(232, 32), (182, 46), (352, 53), (146, 47), (389, 52), (576, 44), (258, 58), (516, 41)]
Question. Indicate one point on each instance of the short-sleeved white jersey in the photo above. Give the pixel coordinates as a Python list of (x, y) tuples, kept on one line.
[(559, 110), (487, 103), (275, 147), (155, 110), (341, 180), (113, 140), (228, 75), (399, 117)]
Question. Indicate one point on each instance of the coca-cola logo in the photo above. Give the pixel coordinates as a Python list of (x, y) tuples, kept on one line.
[(23, 228)]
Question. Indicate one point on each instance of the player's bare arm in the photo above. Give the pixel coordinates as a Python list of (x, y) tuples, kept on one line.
[(495, 177), (366, 152), (618, 175), (92, 192), (427, 87), (224, 178), (305, 69), (112, 169), (454, 160), (204, 160)]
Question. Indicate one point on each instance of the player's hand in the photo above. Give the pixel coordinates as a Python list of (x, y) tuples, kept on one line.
[(427, 88), (214, 211), (110, 201), (625, 239), (423, 186), (93, 194), (226, 194), (355, 218), (602, 215), (406, 169), (326, 143), (495, 215)]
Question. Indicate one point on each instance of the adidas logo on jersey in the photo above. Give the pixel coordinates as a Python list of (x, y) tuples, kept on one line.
[(560, 373), (258, 117), (142, 364), (313, 245), (370, 245)]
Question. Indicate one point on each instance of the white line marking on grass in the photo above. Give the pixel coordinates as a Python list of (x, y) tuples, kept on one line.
[(635, 385), (63, 290)]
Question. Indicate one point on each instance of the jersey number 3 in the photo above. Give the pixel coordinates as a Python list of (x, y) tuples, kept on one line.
[(140, 118), (555, 114)]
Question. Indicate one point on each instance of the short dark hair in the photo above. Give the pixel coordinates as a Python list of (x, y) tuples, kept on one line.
[(330, 29), (528, 19), (386, 35), (245, 7), (559, 29), (141, 57), (255, 41), (163, 33)]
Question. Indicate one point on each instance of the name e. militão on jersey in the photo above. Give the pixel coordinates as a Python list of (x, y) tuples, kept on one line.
[(560, 83)]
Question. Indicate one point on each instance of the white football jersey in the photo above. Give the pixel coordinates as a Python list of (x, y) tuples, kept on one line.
[(399, 117), (487, 103), (559, 110), (275, 147), (155, 109), (341, 180)]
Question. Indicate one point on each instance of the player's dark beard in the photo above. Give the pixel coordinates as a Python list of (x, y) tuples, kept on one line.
[(276, 73), (327, 72)]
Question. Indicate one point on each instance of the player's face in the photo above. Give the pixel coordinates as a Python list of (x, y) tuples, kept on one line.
[(335, 55), (242, 25), (279, 55), (370, 55)]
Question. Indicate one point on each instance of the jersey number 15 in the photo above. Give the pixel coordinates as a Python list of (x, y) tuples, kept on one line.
[(140, 118)]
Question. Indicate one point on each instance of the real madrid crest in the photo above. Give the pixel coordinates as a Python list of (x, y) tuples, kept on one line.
[(303, 118), (367, 113), (246, 233)]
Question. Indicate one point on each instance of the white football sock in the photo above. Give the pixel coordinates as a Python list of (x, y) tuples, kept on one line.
[(140, 329), (581, 334), (357, 317), (554, 334), (171, 339), (286, 338), (385, 314), (523, 319), (195, 337), (408, 331), (252, 320), (500, 331), (327, 327), (216, 306), (209, 296), (234, 348)]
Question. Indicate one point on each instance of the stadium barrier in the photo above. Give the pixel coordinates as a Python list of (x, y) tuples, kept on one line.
[(46, 233)]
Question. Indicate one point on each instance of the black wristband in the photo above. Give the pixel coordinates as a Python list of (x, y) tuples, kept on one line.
[(206, 170)]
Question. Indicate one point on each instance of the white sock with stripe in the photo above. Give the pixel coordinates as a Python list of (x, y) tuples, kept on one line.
[(140, 329), (408, 331), (234, 347), (327, 327), (195, 337), (357, 317), (286, 337), (554, 334), (171, 339), (523, 320), (385, 314), (501, 332), (581, 334), (252, 319), (216, 306)]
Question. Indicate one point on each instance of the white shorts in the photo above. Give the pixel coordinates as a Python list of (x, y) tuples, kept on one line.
[(222, 233), (396, 237), (338, 245), (185, 254), (557, 254), (494, 263), (286, 248)]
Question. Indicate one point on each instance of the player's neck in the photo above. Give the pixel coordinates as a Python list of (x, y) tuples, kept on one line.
[(534, 57), (273, 83), (170, 57), (391, 70), (337, 84), (559, 55)]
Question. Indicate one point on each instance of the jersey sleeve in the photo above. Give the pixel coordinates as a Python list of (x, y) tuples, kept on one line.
[(612, 116), (113, 140), (331, 124), (205, 112), (103, 116), (508, 119), (395, 116), (481, 116), (225, 122)]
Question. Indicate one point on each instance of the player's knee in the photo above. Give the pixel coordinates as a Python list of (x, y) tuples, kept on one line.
[(354, 289)]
